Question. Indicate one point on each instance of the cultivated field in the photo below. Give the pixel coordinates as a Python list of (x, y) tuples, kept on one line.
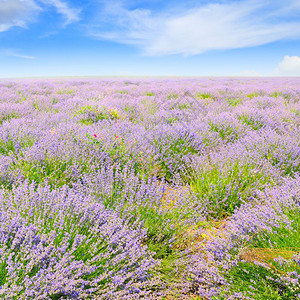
[(150, 189)]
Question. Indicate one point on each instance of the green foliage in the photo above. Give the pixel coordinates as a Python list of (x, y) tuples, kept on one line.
[(35, 105), (171, 153), (284, 159), (129, 109), (265, 278), (223, 189), (184, 106), (171, 120), (234, 101), (204, 96), (225, 131), (282, 236), (181, 106), (54, 100), (132, 113), (159, 230), (255, 124), (260, 282), (71, 226), (92, 114), (8, 116), (9, 145), (277, 94), (3, 273), (253, 95), (119, 154), (54, 171), (172, 96), (22, 98), (296, 111), (65, 92), (124, 92), (150, 106)]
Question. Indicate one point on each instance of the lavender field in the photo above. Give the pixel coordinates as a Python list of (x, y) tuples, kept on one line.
[(150, 188)]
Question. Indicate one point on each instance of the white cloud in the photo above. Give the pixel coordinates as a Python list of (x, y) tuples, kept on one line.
[(48, 34), (226, 25), (16, 13), (71, 14), (20, 12), (14, 53), (289, 66)]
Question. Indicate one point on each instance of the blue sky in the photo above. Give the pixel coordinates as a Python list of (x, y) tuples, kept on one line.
[(149, 38)]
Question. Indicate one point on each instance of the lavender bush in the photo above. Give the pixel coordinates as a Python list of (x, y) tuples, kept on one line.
[(149, 189), (57, 244)]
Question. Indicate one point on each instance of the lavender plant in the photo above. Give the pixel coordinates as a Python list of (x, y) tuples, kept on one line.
[(58, 244), (127, 189)]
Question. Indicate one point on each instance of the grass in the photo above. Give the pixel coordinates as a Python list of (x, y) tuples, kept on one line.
[(161, 224), (8, 116), (253, 95), (172, 120), (295, 111), (173, 96), (150, 106), (171, 155), (282, 237), (277, 94), (7, 146), (225, 131), (258, 282), (131, 113), (10, 146), (118, 152), (65, 92), (234, 101), (53, 171), (71, 225), (92, 114), (124, 92), (285, 159), (222, 190), (254, 123), (204, 96), (183, 106), (268, 261)]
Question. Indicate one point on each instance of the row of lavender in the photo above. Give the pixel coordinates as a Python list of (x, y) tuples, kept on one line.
[(111, 189)]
